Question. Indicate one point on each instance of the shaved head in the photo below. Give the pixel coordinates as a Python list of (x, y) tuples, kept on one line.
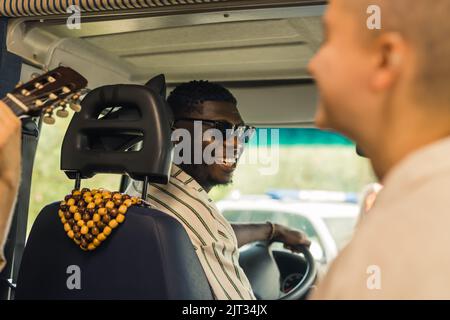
[(425, 26)]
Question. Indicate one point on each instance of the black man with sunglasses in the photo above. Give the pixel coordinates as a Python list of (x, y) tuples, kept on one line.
[(185, 197)]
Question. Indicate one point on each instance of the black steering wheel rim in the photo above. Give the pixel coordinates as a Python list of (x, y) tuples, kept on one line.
[(302, 288), (261, 268)]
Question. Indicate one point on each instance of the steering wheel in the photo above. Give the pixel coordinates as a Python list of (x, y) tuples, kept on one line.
[(260, 266)]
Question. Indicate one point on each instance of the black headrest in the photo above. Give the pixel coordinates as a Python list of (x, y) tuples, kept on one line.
[(98, 143)]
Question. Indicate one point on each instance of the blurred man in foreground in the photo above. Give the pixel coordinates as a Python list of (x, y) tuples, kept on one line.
[(387, 89)]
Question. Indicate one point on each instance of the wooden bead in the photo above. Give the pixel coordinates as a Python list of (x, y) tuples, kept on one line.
[(106, 218), (113, 224), (102, 211), (117, 196), (91, 205), (84, 243), (90, 224), (96, 217), (76, 193), (67, 227), (100, 225), (120, 218), (109, 205), (95, 231), (123, 209), (107, 230), (71, 222), (101, 237), (118, 203), (81, 204), (91, 247), (77, 235), (76, 229), (70, 202), (96, 242), (88, 199), (63, 220), (80, 223), (113, 212), (77, 216), (60, 213), (97, 196), (86, 217), (84, 230), (67, 215), (76, 240), (71, 234), (73, 209), (127, 202), (89, 237)]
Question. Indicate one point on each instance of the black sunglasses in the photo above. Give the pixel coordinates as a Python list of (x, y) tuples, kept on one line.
[(241, 131)]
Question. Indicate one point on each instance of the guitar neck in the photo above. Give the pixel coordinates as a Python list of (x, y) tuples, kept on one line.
[(17, 107)]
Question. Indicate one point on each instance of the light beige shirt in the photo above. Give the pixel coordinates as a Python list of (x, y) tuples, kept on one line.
[(211, 235), (401, 250)]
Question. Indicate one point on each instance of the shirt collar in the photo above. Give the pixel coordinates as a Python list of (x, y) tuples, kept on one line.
[(180, 175)]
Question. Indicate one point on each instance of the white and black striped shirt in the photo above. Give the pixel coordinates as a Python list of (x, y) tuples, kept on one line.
[(211, 234)]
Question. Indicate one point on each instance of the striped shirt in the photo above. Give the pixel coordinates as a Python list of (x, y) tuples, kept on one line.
[(211, 234)]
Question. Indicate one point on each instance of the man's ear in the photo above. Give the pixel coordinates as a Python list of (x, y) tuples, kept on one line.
[(392, 49), (158, 84)]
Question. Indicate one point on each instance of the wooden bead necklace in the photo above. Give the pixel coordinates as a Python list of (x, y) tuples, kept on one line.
[(89, 216)]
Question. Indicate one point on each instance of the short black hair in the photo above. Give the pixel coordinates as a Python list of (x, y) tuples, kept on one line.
[(187, 97)]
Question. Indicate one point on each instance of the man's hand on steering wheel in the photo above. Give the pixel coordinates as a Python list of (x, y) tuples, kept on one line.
[(291, 238)]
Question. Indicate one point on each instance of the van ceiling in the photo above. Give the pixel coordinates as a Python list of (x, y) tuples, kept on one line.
[(261, 46)]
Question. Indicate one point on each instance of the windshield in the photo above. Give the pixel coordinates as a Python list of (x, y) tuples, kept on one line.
[(317, 172), (341, 230)]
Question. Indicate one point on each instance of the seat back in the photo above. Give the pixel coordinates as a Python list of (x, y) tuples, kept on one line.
[(148, 257)]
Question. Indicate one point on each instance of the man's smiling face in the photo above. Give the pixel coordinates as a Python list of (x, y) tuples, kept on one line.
[(214, 174), (342, 69)]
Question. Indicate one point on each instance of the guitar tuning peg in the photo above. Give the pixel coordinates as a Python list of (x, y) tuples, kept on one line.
[(75, 107), (75, 97), (52, 96), (51, 79), (62, 113), (35, 75), (48, 119), (66, 90), (39, 103), (19, 84), (38, 85), (25, 92)]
